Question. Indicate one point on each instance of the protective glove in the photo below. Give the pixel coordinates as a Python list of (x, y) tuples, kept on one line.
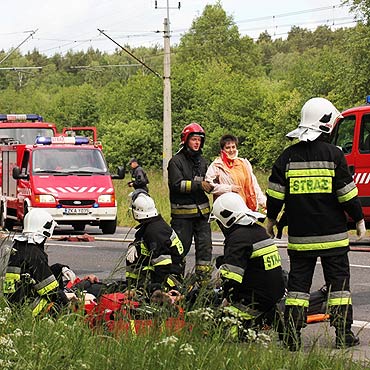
[(270, 227), (131, 253), (207, 187), (360, 229), (68, 274), (71, 296), (89, 298)]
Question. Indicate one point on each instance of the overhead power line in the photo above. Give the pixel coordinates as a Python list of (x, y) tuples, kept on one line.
[(16, 48), (289, 14), (19, 68), (129, 53)]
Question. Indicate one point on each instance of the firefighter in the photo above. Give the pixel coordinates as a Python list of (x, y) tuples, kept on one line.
[(154, 260), (189, 203), (139, 179), (250, 269), (28, 276), (312, 179)]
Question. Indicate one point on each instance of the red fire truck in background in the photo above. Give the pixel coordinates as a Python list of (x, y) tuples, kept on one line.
[(352, 135), (67, 176), (25, 127)]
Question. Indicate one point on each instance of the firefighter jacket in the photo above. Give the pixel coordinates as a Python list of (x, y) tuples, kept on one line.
[(313, 180), (160, 255), (139, 178), (186, 171), (251, 268), (29, 278)]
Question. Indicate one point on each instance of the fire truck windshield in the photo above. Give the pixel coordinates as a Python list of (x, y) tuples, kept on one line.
[(25, 135), (68, 161)]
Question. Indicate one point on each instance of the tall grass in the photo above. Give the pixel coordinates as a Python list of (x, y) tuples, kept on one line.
[(69, 343), (158, 190)]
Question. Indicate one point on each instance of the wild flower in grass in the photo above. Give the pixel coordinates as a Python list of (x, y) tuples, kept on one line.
[(48, 320), (7, 347), (206, 314), (4, 314), (186, 349), (250, 334), (19, 333), (168, 341), (227, 320), (6, 364), (6, 342), (263, 339)]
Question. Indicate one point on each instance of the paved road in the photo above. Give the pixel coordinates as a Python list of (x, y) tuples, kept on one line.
[(105, 257)]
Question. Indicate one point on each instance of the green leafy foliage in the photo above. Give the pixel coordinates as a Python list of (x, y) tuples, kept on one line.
[(220, 79)]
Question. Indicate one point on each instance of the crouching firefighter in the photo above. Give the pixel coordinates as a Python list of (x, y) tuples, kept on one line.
[(28, 277), (250, 269), (155, 259)]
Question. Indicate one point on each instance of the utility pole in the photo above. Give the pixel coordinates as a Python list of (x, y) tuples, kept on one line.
[(167, 112)]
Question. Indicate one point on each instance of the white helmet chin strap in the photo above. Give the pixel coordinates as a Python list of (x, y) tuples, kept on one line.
[(32, 238)]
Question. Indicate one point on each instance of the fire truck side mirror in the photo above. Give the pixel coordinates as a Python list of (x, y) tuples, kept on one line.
[(17, 174), (120, 173)]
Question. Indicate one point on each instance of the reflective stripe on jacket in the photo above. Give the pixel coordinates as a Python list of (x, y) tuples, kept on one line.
[(185, 176), (313, 181)]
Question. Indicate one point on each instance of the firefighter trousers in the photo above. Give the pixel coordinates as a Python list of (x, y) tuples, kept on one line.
[(199, 228), (337, 277)]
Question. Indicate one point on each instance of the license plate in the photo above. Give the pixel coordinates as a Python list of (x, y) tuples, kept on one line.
[(76, 211)]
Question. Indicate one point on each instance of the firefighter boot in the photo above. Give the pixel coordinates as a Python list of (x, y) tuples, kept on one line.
[(203, 273), (346, 338), (292, 340)]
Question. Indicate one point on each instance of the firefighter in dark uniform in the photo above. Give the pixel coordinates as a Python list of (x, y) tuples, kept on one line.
[(139, 179), (28, 278), (154, 260), (189, 203), (312, 179), (250, 268)]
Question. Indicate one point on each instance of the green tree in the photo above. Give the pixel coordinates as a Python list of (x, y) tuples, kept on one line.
[(361, 8), (136, 138), (215, 37)]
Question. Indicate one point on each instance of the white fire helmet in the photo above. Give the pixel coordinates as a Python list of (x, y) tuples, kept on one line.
[(142, 205), (318, 115), (38, 225), (230, 209)]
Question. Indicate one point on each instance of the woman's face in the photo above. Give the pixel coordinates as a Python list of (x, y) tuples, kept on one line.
[(231, 149)]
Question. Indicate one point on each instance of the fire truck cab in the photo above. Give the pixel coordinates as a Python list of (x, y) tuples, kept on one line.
[(352, 134), (67, 176), (25, 127)]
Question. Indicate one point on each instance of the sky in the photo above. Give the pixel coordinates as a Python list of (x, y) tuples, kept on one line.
[(63, 25)]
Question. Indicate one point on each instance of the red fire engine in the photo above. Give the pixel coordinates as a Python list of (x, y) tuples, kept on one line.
[(67, 176), (352, 135), (25, 127)]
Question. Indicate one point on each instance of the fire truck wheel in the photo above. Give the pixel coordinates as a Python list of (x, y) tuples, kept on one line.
[(9, 224), (78, 227), (2, 218), (108, 227)]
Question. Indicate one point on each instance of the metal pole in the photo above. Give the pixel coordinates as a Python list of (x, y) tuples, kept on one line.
[(16, 48), (167, 119)]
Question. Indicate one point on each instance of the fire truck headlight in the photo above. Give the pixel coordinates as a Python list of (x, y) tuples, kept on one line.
[(45, 198), (106, 198)]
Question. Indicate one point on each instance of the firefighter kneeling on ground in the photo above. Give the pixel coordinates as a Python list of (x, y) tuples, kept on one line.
[(29, 278), (250, 269), (155, 259)]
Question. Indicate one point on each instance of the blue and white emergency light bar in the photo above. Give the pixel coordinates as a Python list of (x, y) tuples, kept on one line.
[(74, 140), (21, 117)]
